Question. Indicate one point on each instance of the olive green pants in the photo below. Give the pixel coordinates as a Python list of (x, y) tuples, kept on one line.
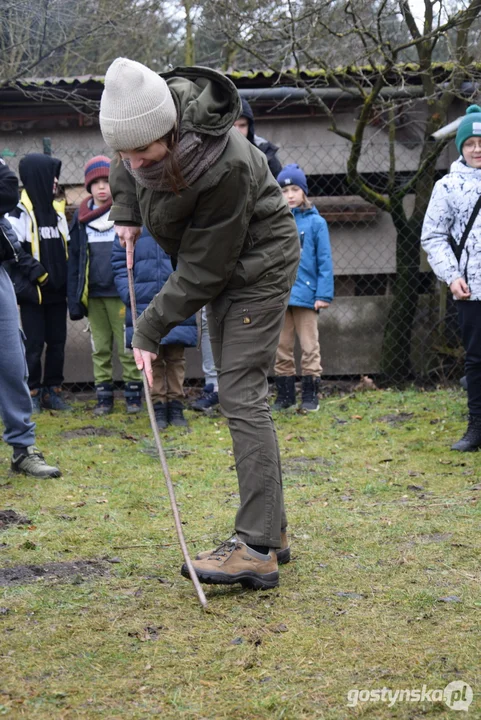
[(107, 319), (244, 344)]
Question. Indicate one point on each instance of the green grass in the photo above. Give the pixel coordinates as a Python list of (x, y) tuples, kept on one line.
[(384, 523)]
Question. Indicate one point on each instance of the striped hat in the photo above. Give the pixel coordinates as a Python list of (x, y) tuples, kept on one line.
[(97, 167)]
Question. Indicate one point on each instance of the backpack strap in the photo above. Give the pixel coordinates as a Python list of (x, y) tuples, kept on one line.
[(458, 249)]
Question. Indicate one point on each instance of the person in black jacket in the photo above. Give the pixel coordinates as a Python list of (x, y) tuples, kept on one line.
[(245, 125), (15, 400), (41, 288)]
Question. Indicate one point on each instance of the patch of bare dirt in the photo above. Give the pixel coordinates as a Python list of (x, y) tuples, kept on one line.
[(395, 418), (77, 570), (302, 465), (88, 431), (10, 517)]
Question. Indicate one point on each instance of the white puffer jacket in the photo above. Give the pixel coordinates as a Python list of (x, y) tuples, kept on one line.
[(450, 207)]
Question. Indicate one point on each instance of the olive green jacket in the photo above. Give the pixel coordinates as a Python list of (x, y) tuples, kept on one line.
[(232, 232)]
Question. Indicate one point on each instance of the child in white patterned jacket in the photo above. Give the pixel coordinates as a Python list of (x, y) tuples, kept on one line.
[(453, 204)]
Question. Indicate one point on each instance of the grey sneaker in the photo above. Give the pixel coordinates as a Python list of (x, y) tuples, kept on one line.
[(31, 462)]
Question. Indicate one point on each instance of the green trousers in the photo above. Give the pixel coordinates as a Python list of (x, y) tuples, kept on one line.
[(107, 318), (244, 344)]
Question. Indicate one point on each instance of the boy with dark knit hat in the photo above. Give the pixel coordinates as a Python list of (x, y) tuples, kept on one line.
[(92, 291)]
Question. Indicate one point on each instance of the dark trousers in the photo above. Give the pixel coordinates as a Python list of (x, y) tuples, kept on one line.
[(244, 345), (45, 325), (469, 314)]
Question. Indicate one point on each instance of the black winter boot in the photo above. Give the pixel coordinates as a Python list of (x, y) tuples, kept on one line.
[(133, 397), (105, 399), (471, 439), (286, 392), (310, 388), (175, 413), (160, 410)]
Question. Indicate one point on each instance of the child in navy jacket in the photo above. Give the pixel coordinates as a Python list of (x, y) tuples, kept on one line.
[(152, 267), (313, 290)]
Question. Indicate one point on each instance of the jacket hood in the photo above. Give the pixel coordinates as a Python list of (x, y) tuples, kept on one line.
[(247, 113), (207, 101), (459, 166), (8, 189), (303, 212), (37, 173)]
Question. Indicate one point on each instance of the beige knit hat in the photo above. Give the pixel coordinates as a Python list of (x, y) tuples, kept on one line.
[(136, 106)]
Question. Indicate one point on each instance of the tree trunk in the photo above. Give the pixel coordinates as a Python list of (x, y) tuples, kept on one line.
[(396, 350), (189, 34)]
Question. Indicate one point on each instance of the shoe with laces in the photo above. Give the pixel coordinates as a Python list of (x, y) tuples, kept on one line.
[(52, 399), (283, 553), (286, 392), (30, 461), (207, 400), (471, 440), (235, 562)]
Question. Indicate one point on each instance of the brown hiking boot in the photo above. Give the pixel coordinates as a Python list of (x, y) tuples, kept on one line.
[(235, 562), (283, 553)]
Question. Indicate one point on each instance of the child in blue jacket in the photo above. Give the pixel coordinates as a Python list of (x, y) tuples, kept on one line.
[(152, 267), (313, 290)]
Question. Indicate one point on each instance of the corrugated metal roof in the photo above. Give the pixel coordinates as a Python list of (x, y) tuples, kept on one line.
[(257, 74), (56, 81)]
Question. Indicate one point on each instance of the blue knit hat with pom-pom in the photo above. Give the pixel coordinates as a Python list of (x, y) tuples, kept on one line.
[(293, 175), (470, 126)]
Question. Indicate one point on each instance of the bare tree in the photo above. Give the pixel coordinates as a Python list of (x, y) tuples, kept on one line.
[(376, 41), (60, 37)]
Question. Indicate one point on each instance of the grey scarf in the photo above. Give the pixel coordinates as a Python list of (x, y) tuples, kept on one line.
[(195, 154)]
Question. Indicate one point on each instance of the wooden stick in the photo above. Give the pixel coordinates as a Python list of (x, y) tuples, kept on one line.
[(163, 461)]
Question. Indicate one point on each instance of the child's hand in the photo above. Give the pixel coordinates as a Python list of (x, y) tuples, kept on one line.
[(460, 289), (320, 305)]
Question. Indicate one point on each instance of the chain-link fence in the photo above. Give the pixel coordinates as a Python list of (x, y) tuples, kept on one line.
[(354, 330)]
